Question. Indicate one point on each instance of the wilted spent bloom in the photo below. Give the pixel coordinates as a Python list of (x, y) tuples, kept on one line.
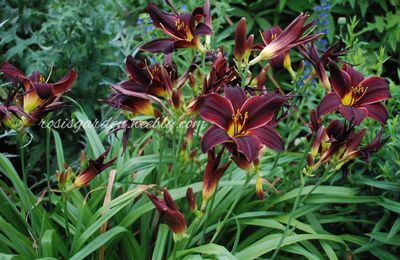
[(212, 174), (354, 96), (290, 37), (169, 212), (243, 45), (338, 144), (183, 29), (319, 62), (95, 167), (221, 75)]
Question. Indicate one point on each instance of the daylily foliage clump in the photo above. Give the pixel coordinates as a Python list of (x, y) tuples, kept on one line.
[(243, 116)]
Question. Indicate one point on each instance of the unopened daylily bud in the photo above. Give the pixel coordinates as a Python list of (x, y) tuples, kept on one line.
[(95, 167), (169, 212), (83, 160), (243, 45), (191, 200), (259, 187), (212, 175), (176, 98), (249, 46), (64, 176), (287, 64), (310, 160), (193, 154), (240, 39), (192, 81), (300, 69)]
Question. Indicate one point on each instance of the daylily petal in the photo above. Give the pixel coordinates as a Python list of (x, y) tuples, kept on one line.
[(277, 62), (236, 95), (162, 20), (378, 112), (185, 44), (340, 80), (64, 84), (355, 76), (133, 86), (292, 31), (213, 137), (261, 109), (43, 90), (217, 110), (249, 146), (329, 104), (335, 129), (159, 45), (356, 140), (135, 72), (377, 90), (270, 33), (357, 114), (202, 29), (14, 74), (268, 136)]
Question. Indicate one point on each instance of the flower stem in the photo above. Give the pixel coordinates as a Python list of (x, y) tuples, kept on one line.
[(239, 194), (21, 150)]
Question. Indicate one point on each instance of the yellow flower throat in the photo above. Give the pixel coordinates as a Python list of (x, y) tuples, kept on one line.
[(354, 95), (237, 126)]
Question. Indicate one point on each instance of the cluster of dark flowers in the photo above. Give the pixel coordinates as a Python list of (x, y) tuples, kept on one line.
[(243, 115)]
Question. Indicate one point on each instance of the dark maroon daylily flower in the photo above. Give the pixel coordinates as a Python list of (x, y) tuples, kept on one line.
[(40, 96), (268, 35), (241, 122), (243, 45), (339, 143), (94, 168), (184, 29), (133, 95), (291, 37), (319, 63), (212, 175), (221, 75), (354, 96), (169, 212)]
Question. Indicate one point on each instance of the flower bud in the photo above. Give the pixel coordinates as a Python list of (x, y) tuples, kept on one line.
[(259, 187), (191, 200), (169, 212), (176, 98), (212, 175), (342, 21), (95, 167)]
